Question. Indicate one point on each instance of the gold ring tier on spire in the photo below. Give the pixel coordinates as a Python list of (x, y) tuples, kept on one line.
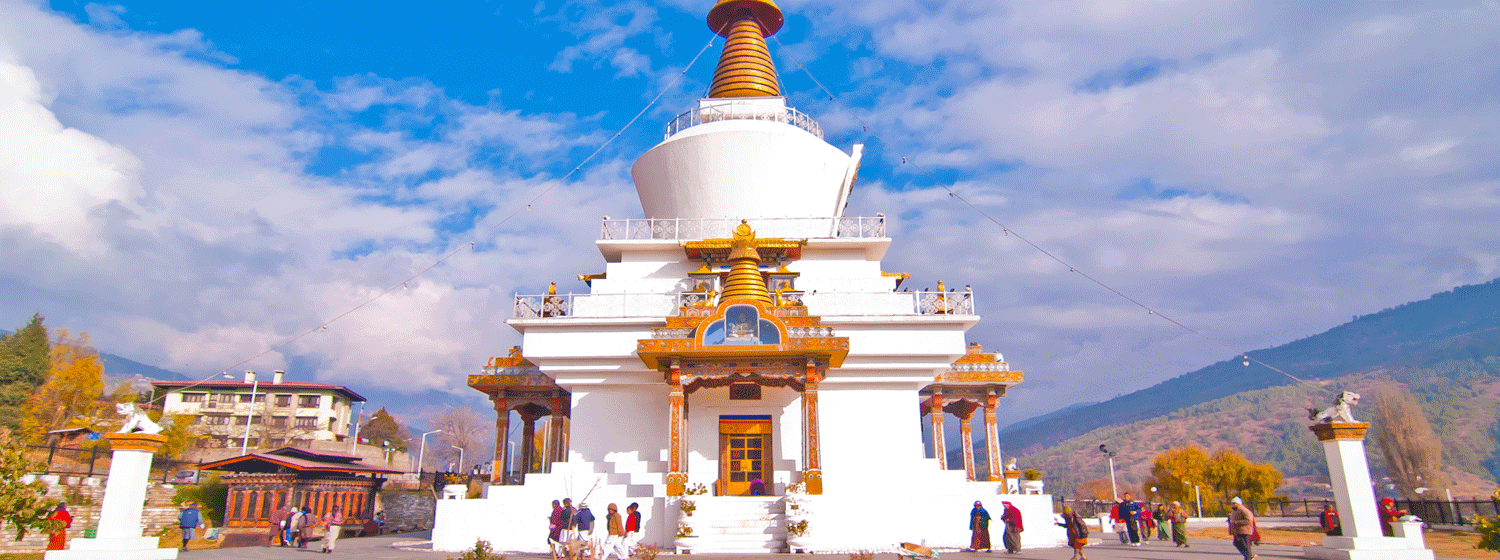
[(745, 68), (744, 281)]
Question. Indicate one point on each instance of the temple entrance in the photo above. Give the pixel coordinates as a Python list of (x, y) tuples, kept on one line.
[(744, 455)]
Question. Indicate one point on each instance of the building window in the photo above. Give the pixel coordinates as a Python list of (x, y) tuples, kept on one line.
[(744, 391), (283, 400), (216, 420), (278, 421), (193, 397), (308, 422), (309, 401), (331, 424)]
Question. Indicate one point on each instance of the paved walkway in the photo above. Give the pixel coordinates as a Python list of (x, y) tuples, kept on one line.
[(415, 546)]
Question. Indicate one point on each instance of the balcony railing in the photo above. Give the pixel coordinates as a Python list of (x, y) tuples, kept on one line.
[(893, 304), (693, 229), (746, 111)]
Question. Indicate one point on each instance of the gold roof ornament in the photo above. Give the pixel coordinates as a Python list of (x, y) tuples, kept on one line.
[(745, 281), (745, 68)]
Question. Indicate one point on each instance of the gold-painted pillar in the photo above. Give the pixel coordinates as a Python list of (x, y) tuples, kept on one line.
[(966, 435), (812, 474), (992, 436), (559, 431), (502, 429), (529, 417), (677, 478), (935, 410)]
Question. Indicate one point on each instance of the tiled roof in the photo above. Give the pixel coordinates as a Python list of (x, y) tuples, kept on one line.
[(266, 387), (264, 462)]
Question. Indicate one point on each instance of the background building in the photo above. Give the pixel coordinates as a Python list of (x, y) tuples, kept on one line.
[(279, 413)]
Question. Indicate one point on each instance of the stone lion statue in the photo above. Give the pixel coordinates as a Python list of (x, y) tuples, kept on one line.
[(1339, 412), (136, 420)]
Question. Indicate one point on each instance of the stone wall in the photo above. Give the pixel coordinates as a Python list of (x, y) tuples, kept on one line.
[(407, 510), (84, 496)]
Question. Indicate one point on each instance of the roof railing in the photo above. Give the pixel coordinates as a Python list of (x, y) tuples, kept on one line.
[(746, 111), (695, 229)]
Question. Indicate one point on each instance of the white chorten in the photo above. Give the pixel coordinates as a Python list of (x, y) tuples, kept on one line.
[(744, 331)]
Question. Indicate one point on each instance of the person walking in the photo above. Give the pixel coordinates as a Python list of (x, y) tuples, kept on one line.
[(1179, 519), (1146, 522), (333, 524), (1130, 513), (188, 520), (1160, 516), (583, 523), (57, 538), (554, 527), (979, 528), (614, 543), (632, 525), (1118, 525), (278, 526), (1078, 532), (1013, 527), (1241, 527), (1330, 523), (301, 522)]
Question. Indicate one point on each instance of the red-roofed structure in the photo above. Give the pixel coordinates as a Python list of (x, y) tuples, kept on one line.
[(263, 483)]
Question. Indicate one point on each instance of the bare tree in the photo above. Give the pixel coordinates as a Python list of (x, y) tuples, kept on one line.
[(1413, 454), (461, 427)]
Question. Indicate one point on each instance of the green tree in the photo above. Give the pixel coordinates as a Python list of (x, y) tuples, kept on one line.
[(24, 362), (23, 506), (383, 427)]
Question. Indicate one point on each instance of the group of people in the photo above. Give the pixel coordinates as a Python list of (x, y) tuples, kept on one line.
[(1135, 522), (572, 533), (979, 528), (294, 527)]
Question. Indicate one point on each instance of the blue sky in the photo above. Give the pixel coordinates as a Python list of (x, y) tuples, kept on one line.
[(194, 182)]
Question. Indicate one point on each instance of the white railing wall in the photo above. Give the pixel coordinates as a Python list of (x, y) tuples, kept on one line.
[(893, 304), (742, 111), (693, 229)]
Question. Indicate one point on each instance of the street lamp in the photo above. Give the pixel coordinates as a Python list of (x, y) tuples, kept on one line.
[(422, 451), (460, 457), (1199, 491), (1104, 448), (254, 385)]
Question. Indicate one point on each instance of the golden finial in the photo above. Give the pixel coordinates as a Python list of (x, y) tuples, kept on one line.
[(745, 281), (552, 289), (745, 68)]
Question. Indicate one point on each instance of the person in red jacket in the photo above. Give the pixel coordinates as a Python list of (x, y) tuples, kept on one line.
[(1330, 522), (58, 538), (1388, 516), (1013, 527)]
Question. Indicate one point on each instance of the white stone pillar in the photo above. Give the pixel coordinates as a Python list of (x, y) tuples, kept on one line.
[(119, 534), (1349, 473)]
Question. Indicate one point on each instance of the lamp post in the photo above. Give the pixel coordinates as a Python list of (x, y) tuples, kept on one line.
[(250, 416), (1104, 448), (422, 450), (460, 457), (1199, 492)]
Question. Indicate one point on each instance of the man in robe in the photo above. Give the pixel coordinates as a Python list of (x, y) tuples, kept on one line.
[(1179, 519), (1078, 532), (58, 536), (555, 526), (1388, 516), (1011, 515), (278, 525), (1330, 523), (979, 528)]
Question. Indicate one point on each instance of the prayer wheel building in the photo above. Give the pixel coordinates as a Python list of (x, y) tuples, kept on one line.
[(744, 330)]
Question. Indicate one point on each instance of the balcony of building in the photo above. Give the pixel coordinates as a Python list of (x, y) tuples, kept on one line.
[(822, 304), (743, 110)]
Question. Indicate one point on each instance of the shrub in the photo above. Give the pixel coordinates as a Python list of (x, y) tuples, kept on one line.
[(210, 495), (1489, 533), (647, 551), (481, 551)]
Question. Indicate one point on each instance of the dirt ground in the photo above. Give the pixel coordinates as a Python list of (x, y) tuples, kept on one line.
[(1445, 544)]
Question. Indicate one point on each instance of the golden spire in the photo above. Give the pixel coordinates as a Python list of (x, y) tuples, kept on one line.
[(745, 282), (745, 68)]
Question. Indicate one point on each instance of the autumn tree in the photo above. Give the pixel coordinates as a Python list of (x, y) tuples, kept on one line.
[(463, 428), (383, 427), (73, 395), (1225, 475), (1413, 453), (23, 367)]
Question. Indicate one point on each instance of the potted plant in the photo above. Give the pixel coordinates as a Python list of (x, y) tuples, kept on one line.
[(797, 534), (1033, 482), (685, 537)]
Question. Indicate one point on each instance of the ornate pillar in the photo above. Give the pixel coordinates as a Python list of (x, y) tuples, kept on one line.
[(812, 473), (529, 416), (992, 436), (935, 409), (502, 430), (677, 421), (561, 408), (964, 410)]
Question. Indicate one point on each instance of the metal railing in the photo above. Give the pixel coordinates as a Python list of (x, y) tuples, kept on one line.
[(669, 305), (693, 229), (742, 111)]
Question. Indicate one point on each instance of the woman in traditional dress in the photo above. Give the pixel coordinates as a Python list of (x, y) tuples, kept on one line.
[(979, 527), (1179, 524), (59, 534), (1078, 532)]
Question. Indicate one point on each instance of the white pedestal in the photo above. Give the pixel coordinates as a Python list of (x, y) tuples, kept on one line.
[(119, 534), (1349, 472)]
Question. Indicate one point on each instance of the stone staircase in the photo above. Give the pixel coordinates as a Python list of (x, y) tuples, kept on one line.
[(736, 524)]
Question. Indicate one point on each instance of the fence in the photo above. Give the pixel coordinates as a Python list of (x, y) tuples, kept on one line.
[(1437, 512), (94, 461)]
